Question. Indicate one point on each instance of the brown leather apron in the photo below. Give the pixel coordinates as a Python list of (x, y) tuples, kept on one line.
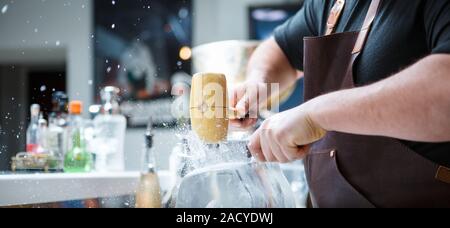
[(345, 170)]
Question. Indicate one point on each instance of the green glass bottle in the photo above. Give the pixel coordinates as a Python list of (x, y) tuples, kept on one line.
[(77, 159)]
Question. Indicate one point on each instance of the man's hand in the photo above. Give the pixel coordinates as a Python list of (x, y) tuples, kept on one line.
[(267, 65), (286, 136), (246, 100)]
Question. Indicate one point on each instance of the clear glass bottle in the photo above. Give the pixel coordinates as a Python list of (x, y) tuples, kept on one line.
[(32, 130), (56, 139), (60, 109), (148, 194), (41, 135), (110, 127), (60, 113), (77, 159)]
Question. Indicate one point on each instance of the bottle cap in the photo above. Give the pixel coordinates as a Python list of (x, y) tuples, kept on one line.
[(149, 134), (110, 98), (42, 122), (109, 93), (60, 101), (76, 107), (35, 110)]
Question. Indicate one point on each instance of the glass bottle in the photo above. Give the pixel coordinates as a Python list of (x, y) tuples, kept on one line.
[(148, 194), (77, 159), (60, 109), (41, 135), (60, 115), (32, 130), (56, 139), (110, 127)]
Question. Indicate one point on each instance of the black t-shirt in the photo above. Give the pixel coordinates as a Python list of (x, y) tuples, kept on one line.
[(403, 32)]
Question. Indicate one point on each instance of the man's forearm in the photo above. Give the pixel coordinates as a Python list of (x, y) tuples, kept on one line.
[(412, 105), (270, 65)]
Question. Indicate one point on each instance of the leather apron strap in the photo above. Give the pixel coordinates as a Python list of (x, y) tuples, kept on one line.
[(336, 13), (364, 33), (334, 16), (361, 41)]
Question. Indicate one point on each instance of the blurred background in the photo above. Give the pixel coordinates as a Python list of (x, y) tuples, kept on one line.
[(143, 47)]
